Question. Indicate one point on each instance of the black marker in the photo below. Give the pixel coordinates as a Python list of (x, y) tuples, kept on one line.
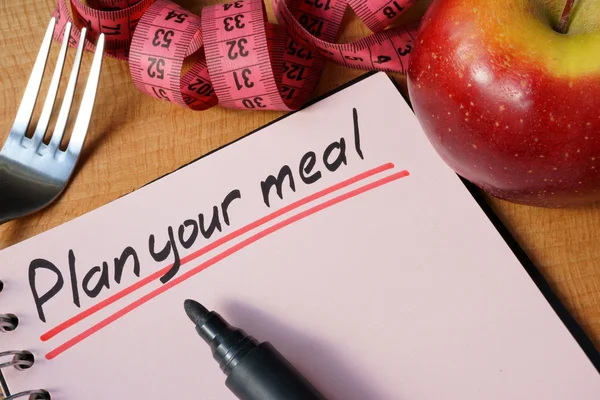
[(255, 371)]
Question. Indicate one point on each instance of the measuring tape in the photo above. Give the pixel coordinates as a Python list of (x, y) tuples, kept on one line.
[(248, 63)]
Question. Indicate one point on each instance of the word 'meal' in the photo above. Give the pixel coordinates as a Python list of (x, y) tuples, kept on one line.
[(107, 275)]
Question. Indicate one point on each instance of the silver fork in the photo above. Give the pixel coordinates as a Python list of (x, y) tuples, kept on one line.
[(33, 174)]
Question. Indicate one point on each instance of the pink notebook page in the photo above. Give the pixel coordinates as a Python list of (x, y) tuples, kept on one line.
[(378, 275)]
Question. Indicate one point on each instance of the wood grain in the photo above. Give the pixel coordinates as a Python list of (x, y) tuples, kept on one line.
[(134, 139)]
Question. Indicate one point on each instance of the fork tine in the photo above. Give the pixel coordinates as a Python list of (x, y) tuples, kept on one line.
[(42, 126), (84, 115), (65, 109), (25, 110)]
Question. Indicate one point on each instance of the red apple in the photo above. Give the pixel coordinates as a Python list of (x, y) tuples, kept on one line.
[(510, 103)]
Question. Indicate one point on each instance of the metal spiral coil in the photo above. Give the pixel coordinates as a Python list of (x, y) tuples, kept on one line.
[(21, 360), (31, 395), (8, 322)]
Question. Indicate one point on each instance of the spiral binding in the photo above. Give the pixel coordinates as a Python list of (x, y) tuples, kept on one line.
[(21, 360)]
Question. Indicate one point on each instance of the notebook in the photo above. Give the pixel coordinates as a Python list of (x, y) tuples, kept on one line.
[(336, 233)]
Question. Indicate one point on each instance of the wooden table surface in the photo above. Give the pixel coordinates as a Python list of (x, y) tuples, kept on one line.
[(134, 139)]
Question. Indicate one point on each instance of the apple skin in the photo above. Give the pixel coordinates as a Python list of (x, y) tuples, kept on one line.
[(507, 102)]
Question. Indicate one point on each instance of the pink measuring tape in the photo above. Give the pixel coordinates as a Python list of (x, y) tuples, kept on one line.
[(248, 63)]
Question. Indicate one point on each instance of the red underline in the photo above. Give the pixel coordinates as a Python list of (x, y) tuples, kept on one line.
[(235, 248), (156, 275)]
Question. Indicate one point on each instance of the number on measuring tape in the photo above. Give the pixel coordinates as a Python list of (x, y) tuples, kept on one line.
[(404, 50), (287, 92), (156, 64), (232, 23), (313, 25), (237, 4), (390, 11), (160, 93), (83, 21), (300, 52), (201, 87), (189, 100), (109, 30), (319, 4), (245, 77), (353, 58), (179, 17), (294, 72), (163, 38), (382, 59), (236, 47), (253, 102)]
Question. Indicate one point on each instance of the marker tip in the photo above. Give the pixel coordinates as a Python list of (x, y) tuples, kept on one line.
[(197, 313)]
